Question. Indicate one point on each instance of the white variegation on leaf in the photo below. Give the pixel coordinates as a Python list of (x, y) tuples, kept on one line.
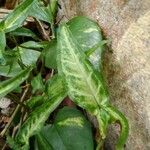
[(84, 84)]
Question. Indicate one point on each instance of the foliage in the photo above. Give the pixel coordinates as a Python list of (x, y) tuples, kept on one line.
[(67, 63), (70, 130)]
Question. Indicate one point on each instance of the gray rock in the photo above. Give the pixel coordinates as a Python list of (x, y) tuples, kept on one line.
[(127, 24)]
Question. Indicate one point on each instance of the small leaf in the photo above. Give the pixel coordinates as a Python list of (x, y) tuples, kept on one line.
[(35, 101), (16, 18), (37, 118), (70, 131), (28, 56), (40, 12), (34, 45), (12, 144), (25, 56), (10, 84), (10, 71), (37, 83), (53, 6), (50, 54), (55, 85)]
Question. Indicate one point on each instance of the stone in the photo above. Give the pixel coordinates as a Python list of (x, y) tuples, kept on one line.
[(127, 68)]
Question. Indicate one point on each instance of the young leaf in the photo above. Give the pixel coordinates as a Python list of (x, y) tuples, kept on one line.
[(23, 54), (35, 101), (50, 91), (53, 6), (37, 83), (50, 54), (55, 85), (28, 56), (10, 71), (10, 84), (70, 130), (16, 18), (37, 118), (34, 45)]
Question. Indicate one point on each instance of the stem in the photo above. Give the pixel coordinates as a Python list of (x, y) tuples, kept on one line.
[(119, 117), (42, 30)]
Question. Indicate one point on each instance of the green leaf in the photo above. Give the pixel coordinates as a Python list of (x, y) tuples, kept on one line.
[(89, 36), (28, 56), (10, 71), (51, 90), (85, 85), (24, 32), (2, 47), (37, 118), (23, 54), (12, 144), (10, 84), (70, 130), (40, 12), (16, 18), (53, 6), (50, 54), (55, 85), (34, 45), (35, 101), (37, 83)]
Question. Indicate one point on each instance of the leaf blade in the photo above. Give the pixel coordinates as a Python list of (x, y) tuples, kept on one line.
[(37, 118), (70, 130), (17, 17), (10, 84), (71, 56)]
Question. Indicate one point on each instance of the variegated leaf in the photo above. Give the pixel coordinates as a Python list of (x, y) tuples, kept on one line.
[(17, 17), (38, 117), (70, 130), (84, 84), (89, 36), (10, 84)]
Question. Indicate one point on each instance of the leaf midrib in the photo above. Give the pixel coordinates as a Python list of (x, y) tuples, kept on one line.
[(81, 68)]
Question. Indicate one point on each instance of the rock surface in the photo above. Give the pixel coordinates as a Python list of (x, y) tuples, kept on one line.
[(127, 24)]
